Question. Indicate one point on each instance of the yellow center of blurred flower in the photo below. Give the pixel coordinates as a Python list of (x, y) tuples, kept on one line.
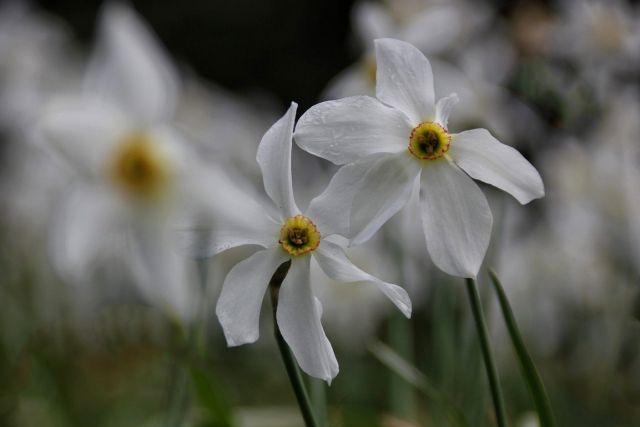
[(299, 235), (138, 169), (429, 141), (369, 70)]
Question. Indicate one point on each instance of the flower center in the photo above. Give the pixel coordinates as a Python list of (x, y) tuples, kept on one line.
[(138, 169), (299, 235), (369, 70), (429, 141)]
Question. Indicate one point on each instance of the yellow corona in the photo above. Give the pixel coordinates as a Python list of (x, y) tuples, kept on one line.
[(138, 169), (299, 235), (429, 141)]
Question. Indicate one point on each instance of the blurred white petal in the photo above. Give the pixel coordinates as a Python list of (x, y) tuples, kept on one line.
[(433, 30), (87, 228), (228, 214), (130, 68), (164, 275), (371, 21), (352, 81), (82, 133)]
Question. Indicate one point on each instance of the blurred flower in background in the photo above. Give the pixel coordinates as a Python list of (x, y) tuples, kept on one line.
[(135, 176)]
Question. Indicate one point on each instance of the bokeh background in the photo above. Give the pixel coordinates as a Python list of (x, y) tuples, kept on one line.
[(558, 80)]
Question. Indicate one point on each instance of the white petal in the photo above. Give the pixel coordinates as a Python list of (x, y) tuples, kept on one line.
[(443, 109), (331, 210), (82, 133), (363, 195), (238, 307), (130, 68), (456, 219), (352, 128), (274, 157), (485, 158), (404, 79), (385, 187), (335, 264), (298, 316)]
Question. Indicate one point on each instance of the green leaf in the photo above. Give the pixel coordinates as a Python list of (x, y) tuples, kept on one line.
[(534, 382)]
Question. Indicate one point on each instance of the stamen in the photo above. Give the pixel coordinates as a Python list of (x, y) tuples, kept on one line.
[(299, 235), (429, 141)]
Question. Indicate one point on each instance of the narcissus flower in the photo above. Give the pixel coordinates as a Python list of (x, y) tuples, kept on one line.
[(136, 177), (389, 143), (287, 234)]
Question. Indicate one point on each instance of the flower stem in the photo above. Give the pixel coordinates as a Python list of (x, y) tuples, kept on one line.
[(492, 374), (318, 395), (287, 357)]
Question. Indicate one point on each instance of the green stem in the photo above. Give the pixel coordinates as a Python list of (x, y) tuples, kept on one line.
[(492, 374), (287, 357), (318, 392), (536, 387)]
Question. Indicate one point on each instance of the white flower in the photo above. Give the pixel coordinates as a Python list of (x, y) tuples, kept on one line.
[(401, 137), (135, 176), (287, 234), (433, 27)]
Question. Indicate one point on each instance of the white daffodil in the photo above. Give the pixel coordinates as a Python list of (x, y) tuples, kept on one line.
[(135, 176), (389, 143), (434, 27), (287, 235)]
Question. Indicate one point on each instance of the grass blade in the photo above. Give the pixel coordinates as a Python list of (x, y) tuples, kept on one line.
[(534, 382)]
